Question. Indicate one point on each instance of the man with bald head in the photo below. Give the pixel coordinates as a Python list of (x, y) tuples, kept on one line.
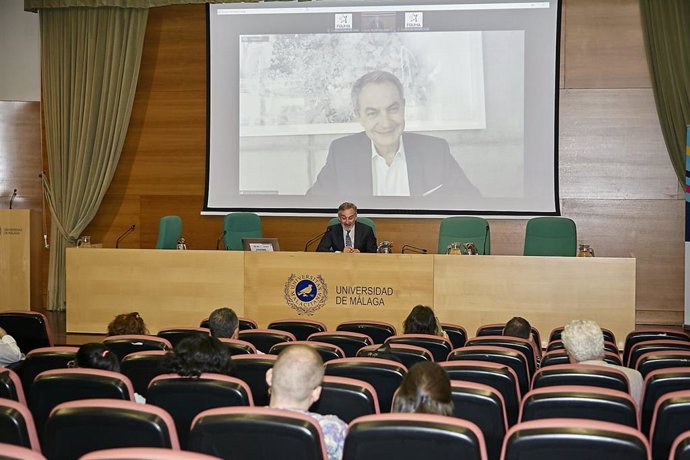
[(295, 384)]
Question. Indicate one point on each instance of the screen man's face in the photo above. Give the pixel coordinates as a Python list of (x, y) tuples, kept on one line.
[(382, 114), (347, 218)]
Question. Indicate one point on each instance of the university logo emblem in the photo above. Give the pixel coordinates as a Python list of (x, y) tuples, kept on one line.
[(305, 294)]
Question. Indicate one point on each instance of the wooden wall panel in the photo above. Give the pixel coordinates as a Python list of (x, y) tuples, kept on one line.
[(604, 47)]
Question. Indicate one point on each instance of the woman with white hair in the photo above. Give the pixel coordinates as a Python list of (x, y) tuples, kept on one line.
[(584, 342)]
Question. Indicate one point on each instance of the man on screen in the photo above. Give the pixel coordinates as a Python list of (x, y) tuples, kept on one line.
[(347, 236), (384, 160)]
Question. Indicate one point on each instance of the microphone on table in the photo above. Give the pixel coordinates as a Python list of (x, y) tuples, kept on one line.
[(14, 194), (414, 249), (220, 238), (317, 237), (486, 238), (129, 230)]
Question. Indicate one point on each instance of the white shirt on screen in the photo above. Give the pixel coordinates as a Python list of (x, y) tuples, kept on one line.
[(389, 180)]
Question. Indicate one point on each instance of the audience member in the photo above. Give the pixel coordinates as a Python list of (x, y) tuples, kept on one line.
[(127, 323), (584, 342), (424, 390), (521, 328), (223, 323), (198, 354), (295, 384), (9, 350), (98, 356), (422, 320)]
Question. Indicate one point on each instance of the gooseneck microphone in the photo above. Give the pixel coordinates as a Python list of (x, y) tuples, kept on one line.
[(317, 237), (14, 194), (486, 238), (220, 238), (129, 230), (414, 249)]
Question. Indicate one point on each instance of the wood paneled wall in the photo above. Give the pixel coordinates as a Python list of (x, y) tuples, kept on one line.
[(616, 180)]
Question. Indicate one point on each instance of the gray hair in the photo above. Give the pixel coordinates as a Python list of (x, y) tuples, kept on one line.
[(376, 76), (584, 340)]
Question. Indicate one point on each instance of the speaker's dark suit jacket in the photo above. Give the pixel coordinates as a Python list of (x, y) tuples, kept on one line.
[(431, 169), (334, 240)]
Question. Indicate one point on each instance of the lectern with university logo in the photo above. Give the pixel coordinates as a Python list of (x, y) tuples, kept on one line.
[(20, 249)]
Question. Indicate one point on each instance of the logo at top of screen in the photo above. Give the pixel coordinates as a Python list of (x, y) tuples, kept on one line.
[(414, 20), (343, 21)]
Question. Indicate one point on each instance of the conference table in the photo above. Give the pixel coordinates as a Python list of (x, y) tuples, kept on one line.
[(172, 288)]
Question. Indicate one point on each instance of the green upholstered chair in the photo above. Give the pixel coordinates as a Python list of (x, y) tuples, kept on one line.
[(362, 220), (551, 236), (240, 225), (169, 231), (464, 229)]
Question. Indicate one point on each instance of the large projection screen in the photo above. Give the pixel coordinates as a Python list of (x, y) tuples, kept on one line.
[(426, 108)]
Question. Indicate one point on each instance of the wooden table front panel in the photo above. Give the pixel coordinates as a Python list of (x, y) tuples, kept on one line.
[(547, 291), (391, 285), (168, 288)]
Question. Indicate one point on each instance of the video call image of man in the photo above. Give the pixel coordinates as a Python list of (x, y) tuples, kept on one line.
[(384, 160), (348, 235)]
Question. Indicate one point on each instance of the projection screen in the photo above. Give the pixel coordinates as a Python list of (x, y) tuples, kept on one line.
[(426, 108)]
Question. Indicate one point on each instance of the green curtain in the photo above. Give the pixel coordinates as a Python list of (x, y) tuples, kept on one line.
[(90, 64), (666, 27)]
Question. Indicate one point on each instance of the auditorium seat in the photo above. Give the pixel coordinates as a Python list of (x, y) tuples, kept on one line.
[(145, 453), (581, 374), (169, 232), (17, 425), (654, 360), (657, 384), (327, 351), (652, 333), (497, 329), (264, 339), (464, 229), (44, 359), (186, 397), (581, 402), (524, 346), (671, 418), (560, 356), (78, 427), (12, 452), (378, 331), (608, 335), (238, 225), (640, 348), (346, 398), (56, 386), (438, 346), (141, 367), (574, 439), (349, 342), (257, 433), (28, 328), (501, 355), (122, 345), (11, 386), (484, 406), (238, 347), (498, 376), (383, 374), (413, 437), (252, 370), (408, 355), (175, 335), (456, 334), (300, 328), (609, 347), (247, 323), (680, 450), (550, 236)]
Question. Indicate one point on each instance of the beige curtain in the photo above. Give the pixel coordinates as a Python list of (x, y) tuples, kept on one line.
[(90, 64)]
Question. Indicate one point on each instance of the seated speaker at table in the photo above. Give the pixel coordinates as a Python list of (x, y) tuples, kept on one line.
[(348, 235)]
